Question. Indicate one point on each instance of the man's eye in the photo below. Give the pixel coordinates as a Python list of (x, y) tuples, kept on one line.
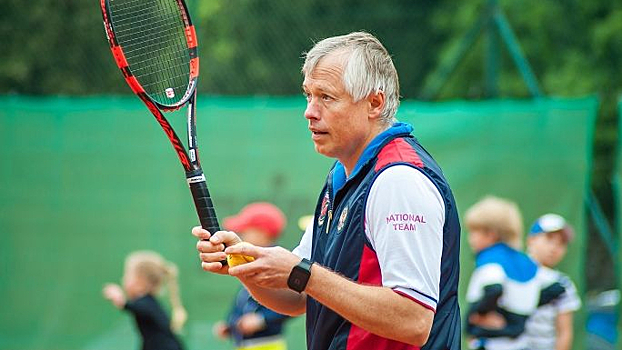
[(326, 97)]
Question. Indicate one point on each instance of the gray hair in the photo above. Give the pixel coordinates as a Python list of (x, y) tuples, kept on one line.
[(368, 68)]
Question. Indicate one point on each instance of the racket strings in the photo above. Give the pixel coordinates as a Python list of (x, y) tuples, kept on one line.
[(136, 46), (152, 35)]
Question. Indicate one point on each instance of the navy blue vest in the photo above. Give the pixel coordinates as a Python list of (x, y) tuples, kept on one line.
[(340, 243)]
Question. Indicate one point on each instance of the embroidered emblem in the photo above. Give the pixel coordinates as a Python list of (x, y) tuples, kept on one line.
[(324, 210), (342, 219)]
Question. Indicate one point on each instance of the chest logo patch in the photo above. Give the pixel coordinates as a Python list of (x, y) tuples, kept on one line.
[(342, 219), (324, 209)]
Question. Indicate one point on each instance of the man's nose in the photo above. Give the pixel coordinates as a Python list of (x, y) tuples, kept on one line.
[(312, 110)]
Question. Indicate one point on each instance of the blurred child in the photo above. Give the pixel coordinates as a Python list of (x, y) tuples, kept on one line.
[(145, 273), (550, 327), (251, 325), (504, 289)]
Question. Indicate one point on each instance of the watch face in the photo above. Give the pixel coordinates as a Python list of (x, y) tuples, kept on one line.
[(298, 279)]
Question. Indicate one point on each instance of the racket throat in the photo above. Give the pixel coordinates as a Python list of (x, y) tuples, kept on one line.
[(192, 131)]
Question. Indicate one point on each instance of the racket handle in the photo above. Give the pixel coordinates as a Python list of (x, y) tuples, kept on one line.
[(202, 200)]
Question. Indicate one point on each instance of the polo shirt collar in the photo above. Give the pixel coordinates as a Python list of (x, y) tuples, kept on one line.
[(372, 149)]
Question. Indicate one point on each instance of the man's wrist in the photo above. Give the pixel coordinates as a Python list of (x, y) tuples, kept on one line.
[(299, 276)]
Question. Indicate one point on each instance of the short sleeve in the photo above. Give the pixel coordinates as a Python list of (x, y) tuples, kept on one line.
[(303, 249), (569, 301), (404, 219)]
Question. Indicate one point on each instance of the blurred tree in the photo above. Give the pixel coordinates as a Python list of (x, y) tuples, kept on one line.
[(247, 46), (255, 47), (251, 47), (55, 47), (575, 49)]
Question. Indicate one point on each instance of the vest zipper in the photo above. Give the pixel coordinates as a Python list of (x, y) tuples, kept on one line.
[(330, 216), (330, 209)]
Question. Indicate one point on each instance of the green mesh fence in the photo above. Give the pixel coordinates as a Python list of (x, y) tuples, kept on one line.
[(617, 179), (85, 181)]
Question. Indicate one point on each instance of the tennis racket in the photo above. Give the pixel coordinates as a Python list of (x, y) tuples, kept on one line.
[(154, 44)]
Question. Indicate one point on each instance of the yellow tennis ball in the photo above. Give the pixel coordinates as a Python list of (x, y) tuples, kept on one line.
[(239, 259)]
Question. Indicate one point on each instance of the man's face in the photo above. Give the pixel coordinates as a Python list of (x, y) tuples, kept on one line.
[(340, 128), (547, 248)]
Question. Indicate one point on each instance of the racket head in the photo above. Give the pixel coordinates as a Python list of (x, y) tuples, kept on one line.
[(154, 44)]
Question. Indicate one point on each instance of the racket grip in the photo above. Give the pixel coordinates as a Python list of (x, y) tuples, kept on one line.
[(203, 202)]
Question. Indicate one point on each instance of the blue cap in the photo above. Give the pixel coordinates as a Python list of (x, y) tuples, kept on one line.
[(552, 223)]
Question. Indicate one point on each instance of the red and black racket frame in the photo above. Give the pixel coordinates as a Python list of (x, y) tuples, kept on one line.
[(189, 160)]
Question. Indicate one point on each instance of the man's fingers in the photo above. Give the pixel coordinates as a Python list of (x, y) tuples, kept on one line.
[(212, 257), (211, 266), (200, 233), (244, 248), (247, 270), (228, 238), (204, 246), (211, 248), (241, 270), (209, 243)]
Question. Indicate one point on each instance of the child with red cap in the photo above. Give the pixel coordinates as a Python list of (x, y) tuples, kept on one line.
[(250, 324)]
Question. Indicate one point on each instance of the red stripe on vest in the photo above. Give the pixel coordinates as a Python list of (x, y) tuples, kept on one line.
[(400, 151), (358, 338), (369, 270)]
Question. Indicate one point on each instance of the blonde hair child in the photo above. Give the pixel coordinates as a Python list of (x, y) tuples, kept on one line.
[(498, 218), (503, 289), (146, 272)]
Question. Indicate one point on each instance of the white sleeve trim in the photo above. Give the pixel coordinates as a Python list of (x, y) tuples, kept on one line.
[(303, 249), (404, 219)]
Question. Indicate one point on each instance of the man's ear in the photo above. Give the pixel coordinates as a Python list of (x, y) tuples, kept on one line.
[(376, 104)]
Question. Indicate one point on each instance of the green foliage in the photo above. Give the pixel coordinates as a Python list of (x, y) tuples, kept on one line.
[(255, 47), (52, 47), (247, 47), (574, 49)]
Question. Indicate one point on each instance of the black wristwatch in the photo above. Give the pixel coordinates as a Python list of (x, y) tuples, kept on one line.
[(299, 276)]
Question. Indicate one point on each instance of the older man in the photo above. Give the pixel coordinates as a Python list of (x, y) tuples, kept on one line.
[(378, 268)]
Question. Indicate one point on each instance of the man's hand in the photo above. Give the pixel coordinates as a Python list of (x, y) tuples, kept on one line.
[(211, 248), (239, 259), (270, 269)]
